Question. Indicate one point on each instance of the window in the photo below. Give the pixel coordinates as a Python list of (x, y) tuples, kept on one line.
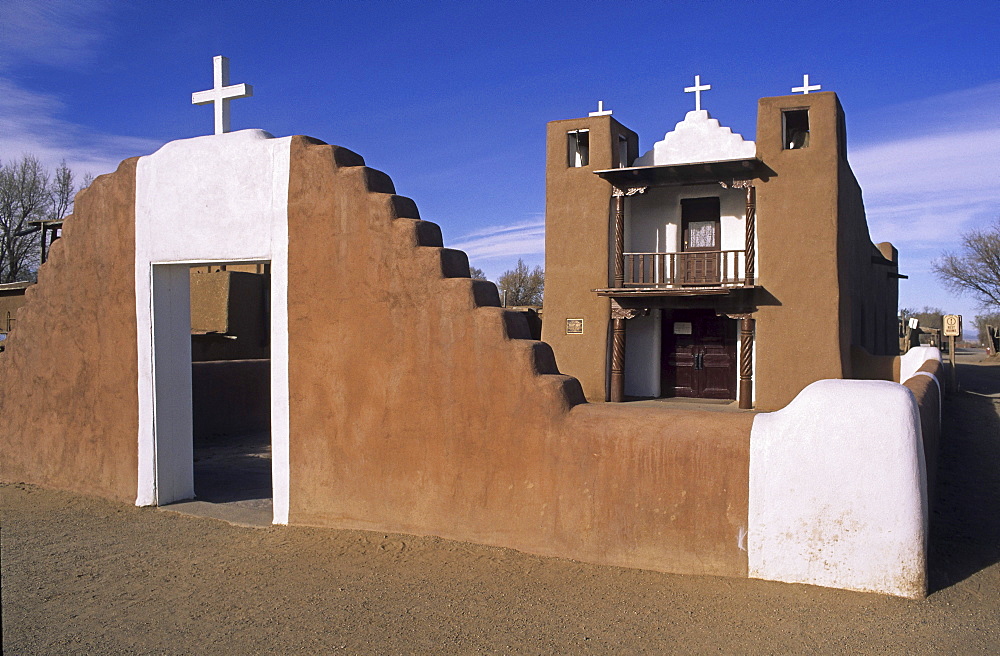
[(622, 151), (578, 144), (795, 129)]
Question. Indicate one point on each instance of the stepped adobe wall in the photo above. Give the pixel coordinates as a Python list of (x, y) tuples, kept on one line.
[(414, 402), (418, 405), (68, 406)]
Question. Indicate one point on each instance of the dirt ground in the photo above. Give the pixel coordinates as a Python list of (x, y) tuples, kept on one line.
[(86, 576)]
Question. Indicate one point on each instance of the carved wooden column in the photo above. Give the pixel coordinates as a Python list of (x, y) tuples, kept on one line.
[(751, 234), (619, 279), (746, 361), (619, 196), (618, 317), (751, 247)]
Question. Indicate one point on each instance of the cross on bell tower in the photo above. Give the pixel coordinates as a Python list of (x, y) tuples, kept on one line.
[(600, 110), (221, 93), (805, 88), (697, 89)]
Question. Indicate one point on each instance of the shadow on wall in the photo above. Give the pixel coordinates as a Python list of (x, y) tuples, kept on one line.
[(965, 520)]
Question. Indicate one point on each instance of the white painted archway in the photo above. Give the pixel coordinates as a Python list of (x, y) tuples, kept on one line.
[(222, 198)]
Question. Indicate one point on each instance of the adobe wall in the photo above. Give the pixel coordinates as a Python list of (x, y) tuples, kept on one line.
[(926, 386), (577, 203), (229, 316), (11, 299), (798, 340), (68, 405), (865, 366), (869, 288), (419, 406), (409, 401)]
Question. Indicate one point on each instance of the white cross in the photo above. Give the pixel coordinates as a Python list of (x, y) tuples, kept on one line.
[(805, 88), (600, 110), (697, 89), (221, 94)]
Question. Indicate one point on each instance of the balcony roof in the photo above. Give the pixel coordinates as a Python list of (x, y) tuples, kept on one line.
[(687, 174)]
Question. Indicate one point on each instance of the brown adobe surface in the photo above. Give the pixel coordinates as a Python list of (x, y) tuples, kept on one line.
[(418, 405), (70, 365), (83, 575)]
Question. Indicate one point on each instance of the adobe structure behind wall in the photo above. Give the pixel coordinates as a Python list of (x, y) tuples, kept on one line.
[(823, 298), (835, 289), (403, 398)]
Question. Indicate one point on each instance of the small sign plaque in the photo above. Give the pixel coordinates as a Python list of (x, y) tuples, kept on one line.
[(682, 327), (952, 325), (574, 326)]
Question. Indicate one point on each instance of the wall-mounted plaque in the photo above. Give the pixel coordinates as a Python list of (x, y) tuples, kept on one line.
[(574, 326), (682, 327)]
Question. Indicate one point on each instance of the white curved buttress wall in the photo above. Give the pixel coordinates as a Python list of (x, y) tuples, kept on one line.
[(838, 490)]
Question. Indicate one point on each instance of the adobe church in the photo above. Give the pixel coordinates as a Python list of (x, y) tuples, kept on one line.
[(429, 409), (714, 267)]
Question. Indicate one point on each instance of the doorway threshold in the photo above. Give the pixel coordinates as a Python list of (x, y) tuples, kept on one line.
[(248, 513)]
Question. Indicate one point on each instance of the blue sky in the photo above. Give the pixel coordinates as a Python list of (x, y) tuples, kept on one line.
[(451, 98)]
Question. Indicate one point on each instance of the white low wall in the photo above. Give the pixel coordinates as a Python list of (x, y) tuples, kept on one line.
[(915, 358), (838, 490)]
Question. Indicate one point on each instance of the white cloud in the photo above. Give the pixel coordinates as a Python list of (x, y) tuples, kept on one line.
[(59, 33), (62, 34), (32, 126), (934, 173), (505, 241), (924, 188)]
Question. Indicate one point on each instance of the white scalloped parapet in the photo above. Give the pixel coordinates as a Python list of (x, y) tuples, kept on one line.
[(698, 138)]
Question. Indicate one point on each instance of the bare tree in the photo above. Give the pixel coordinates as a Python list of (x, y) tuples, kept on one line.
[(982, 322), (62, 193), (27, 194), (929, 317), (522, 286), (975, 269), (24, 197)]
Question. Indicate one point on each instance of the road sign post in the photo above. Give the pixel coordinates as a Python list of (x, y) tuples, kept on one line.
[(952, 328)]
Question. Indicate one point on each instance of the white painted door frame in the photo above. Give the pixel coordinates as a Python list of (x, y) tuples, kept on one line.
[(222, 198)]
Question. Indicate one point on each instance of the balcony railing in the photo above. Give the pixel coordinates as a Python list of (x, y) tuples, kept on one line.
[(689, 269)]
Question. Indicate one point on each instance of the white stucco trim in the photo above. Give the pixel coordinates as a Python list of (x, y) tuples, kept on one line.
[(915, 358), (222, 198), (838, 490), (698, 138)]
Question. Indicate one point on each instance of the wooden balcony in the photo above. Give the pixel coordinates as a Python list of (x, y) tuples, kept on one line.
[(691, 269), (676, 274)]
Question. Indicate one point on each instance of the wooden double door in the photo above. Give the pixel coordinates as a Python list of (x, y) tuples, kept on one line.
[(699, 355)]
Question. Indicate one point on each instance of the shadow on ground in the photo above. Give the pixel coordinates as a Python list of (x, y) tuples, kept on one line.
[(965, 516), (233, 469)]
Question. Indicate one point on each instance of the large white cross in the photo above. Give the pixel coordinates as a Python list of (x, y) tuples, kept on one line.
[(600, 110), (697, 89), (221, 94), (805, 88)]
